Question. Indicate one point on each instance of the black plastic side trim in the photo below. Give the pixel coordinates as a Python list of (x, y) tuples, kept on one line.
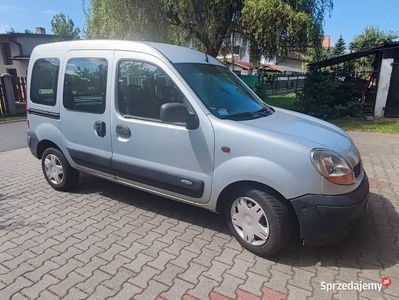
[(91, 161), (172, 182), (43, 113), (32, 141)]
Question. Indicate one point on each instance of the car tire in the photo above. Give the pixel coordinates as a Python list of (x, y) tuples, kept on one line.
[(260, 222), (57, 171)]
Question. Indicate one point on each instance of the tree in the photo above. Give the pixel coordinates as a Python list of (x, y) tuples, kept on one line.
[(279, 26), (64, 26), (371, 37), (340, 47), (127, 19), (12, 30), (271, 26)]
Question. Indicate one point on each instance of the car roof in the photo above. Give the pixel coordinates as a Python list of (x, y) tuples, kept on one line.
[(175, 54)]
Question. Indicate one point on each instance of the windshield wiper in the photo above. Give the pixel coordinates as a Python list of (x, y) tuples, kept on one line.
[(249, 114), (265, 111)]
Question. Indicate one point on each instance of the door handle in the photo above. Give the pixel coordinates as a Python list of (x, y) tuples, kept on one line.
[(100, 128), (122, 131)]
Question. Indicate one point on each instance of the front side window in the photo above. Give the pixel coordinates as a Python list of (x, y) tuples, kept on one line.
[(222, 92), (143, 88), (85, 85), (43, 87)]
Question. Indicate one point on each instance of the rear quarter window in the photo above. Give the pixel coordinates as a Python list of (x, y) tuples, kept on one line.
[(43, 86)]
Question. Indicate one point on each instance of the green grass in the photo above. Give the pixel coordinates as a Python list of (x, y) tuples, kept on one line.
[(360, 125), (349, 124), (282, 100), (12, 118)]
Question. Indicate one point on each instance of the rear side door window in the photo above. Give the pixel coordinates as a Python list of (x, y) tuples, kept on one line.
[(85, 85), (43, 87)]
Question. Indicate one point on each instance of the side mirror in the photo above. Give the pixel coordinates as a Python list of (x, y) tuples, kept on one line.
[(178, 113)]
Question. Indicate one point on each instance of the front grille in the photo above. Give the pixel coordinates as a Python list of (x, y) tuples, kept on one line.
[(357, 169)]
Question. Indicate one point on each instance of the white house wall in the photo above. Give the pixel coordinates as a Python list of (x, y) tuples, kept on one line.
[(383, 87)]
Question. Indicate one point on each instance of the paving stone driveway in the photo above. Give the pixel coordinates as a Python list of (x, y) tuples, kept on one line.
[(108, 241)]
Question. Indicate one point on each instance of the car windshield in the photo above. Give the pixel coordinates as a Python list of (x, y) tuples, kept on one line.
[(222, 92)]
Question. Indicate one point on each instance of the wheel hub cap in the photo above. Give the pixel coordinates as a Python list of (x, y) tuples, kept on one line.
[(250, 221), (53, 169)]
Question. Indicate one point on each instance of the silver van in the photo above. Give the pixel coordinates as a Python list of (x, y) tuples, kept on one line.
[(177, 123)]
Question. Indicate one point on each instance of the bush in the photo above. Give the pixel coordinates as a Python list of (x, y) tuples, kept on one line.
[(265, 81), (260, 89), (326, 97)]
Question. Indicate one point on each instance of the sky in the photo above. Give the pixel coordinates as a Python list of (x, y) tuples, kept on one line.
[(348, 18)]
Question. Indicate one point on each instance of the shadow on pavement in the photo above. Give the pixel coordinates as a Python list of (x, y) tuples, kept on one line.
[(371, 244)]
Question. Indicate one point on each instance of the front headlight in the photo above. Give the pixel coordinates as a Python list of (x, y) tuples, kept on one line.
[(332, 166)]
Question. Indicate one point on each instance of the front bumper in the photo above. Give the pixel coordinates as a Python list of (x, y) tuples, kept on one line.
[(327, 219)]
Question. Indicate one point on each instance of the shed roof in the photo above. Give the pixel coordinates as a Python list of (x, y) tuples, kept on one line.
[(353, 55)]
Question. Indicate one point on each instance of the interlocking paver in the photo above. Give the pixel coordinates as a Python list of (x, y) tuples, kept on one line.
[(101, 293), (15, 287), (105, 240), (229, 285), (115, 282), (152, 292), (66, 255), (178, 290), (155, 248), (254, 284), (137, 264), (61, 288), (240, 268), (88, 269), (34, 290), (127, 292), (9, 277), (113, 266), (176, 248), (16, 261), (168, 275), (142, 278), (38, 273), (62, 272), (93, 281), (203, 288)]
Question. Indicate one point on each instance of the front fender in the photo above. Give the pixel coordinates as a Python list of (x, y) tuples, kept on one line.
[(247, 168)]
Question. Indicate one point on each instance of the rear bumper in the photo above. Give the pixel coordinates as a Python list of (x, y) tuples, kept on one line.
[(327, 219), (32, 141)]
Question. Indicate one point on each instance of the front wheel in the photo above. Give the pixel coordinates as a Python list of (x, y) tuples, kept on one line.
[(259, 221), (57, 171)]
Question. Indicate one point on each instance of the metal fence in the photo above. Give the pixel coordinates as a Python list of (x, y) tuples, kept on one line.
[(281, 82)]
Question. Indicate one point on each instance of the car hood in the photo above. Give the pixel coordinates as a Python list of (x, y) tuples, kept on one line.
[(305, 130)]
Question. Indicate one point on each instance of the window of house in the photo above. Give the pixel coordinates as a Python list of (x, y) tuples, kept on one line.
[(43, 87), (85, 85), (236, 50), (6, 53), (143, 88)]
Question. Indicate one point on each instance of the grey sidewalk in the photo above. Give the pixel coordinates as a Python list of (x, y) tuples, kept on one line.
[(106, 240)]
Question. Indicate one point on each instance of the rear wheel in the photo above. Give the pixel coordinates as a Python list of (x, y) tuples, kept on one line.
[(57, 171), (259, 221)]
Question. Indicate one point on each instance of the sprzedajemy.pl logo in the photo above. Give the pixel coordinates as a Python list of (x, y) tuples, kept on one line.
[(355, 286)]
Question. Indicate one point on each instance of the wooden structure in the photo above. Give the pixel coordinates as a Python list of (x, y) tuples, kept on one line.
[(379, 87)]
